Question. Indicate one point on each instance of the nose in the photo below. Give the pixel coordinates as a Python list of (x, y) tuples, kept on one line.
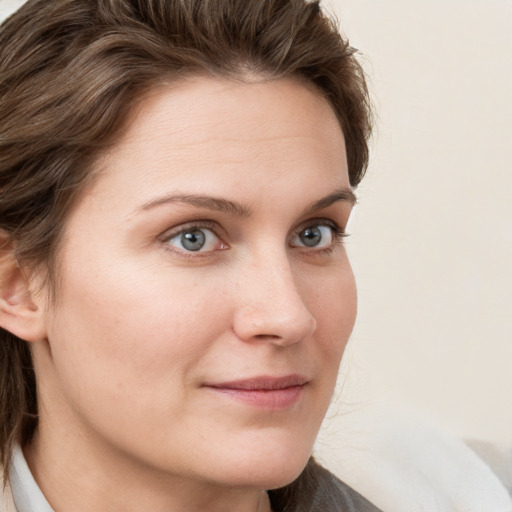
[(270, 305)]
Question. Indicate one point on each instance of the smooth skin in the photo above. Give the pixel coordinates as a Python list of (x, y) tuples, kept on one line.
[(207, 250)]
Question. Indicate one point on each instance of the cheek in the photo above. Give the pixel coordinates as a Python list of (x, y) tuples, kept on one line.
[(132, 328), (131, 354), (332, 299)]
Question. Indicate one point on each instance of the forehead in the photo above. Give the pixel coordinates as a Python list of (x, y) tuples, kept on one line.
[(204, 129)]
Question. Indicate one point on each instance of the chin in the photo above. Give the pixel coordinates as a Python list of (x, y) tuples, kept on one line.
[(267, 468), (268, 477), (283, 476)]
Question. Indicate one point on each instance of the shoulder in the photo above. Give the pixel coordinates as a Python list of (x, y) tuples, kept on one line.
[(497, 456), (318, 490), (401, 462), (348, 499)]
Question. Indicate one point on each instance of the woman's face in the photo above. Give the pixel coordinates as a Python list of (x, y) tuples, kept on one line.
[(205, 297)]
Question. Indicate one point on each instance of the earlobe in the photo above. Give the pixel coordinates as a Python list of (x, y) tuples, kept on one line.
[(19, 313)]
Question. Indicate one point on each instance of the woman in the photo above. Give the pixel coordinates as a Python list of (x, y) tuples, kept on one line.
[(176, 177)]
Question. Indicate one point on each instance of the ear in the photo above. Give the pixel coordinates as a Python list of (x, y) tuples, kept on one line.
[(19, 312)]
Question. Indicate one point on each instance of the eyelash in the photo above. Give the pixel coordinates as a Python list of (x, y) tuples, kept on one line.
[(338, 234), (198, 225)]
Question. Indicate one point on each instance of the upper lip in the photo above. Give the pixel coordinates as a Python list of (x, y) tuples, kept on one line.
[(262, 383)]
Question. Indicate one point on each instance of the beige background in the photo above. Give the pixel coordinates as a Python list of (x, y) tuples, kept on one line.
[(432, 236), (432, 242)]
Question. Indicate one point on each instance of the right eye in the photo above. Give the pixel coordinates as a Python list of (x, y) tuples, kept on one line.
[(196, 239)]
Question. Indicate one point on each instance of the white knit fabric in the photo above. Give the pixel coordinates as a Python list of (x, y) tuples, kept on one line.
[(401, 463)]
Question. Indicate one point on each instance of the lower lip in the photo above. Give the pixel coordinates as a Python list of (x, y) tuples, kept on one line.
[(270, 399)]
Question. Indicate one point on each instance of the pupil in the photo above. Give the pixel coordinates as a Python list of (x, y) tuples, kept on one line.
[(193, 240), (311, 237)]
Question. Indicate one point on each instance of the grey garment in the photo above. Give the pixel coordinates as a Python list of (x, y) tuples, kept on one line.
[(349, 499), (354, 502), (318, 490), (25, 491)]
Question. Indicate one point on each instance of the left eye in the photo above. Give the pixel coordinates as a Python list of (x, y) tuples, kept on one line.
[(195, 240), (316, 236)]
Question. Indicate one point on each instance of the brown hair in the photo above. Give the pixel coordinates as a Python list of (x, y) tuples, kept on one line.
[(71, 70)]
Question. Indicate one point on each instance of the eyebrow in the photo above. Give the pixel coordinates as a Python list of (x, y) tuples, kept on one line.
[(239, 210), (201, 201), (343, 194)]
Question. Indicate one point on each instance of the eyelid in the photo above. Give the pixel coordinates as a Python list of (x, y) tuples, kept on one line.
[(337, 229), (196, 256), (188, 226), (338, 234)]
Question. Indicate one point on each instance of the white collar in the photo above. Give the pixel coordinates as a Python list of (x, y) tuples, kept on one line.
[(26, 493)]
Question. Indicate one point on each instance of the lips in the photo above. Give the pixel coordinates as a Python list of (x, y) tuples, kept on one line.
[(264, 392)]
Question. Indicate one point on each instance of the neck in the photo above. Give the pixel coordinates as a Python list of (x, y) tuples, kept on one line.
[(84, 480)]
